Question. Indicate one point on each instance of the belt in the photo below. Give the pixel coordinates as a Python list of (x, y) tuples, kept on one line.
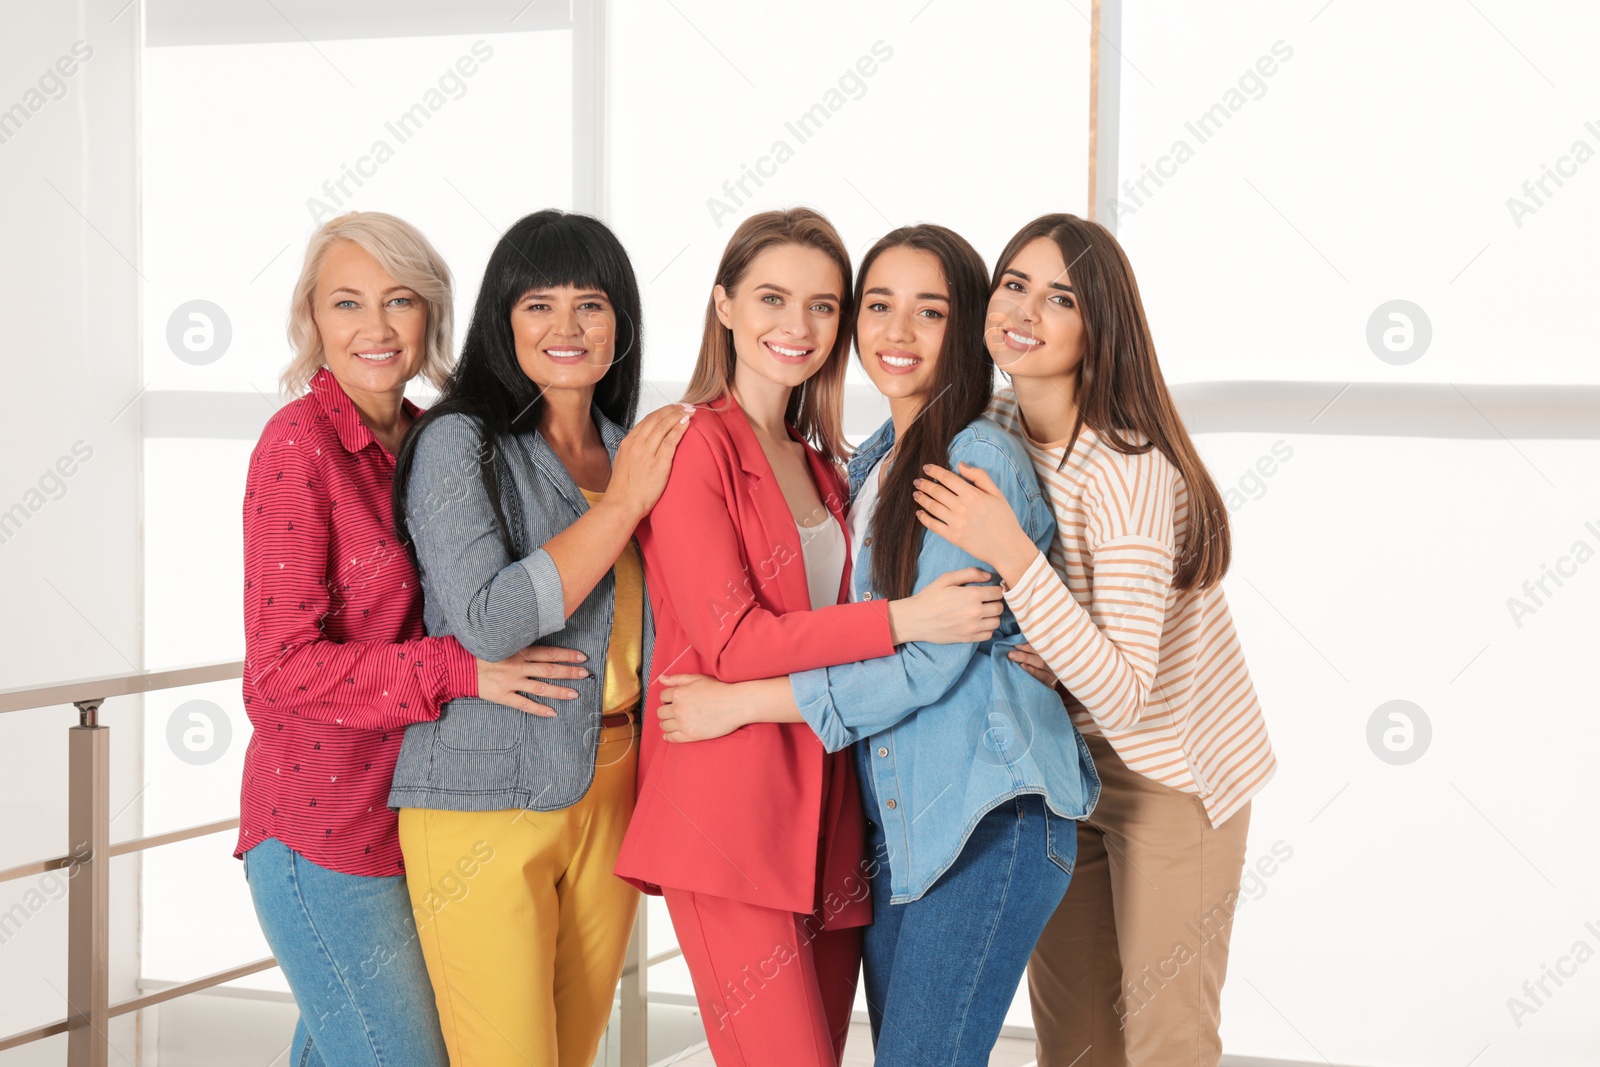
[(616, 718)]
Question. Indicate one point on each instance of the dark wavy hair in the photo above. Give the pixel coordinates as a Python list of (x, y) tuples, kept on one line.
[(963, 379), (545, 249)]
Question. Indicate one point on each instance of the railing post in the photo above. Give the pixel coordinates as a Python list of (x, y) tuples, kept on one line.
[(636, 992), (89, 888)]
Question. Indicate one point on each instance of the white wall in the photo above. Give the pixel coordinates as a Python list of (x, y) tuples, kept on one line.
[(70, 573)]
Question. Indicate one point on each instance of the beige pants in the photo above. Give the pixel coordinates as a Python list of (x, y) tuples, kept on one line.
[(1129, 970)]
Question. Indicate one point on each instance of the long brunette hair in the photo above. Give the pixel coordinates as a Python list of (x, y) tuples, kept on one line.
[(963, 379), (1120, 392), (816, 406)]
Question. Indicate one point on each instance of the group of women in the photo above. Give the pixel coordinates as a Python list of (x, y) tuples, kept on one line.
[(962, 702)]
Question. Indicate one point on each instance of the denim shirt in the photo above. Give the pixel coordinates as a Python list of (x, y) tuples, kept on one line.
[(479, 755), (947, 732)]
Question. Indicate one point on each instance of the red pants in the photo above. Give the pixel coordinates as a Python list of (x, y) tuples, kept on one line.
[(773, 988)]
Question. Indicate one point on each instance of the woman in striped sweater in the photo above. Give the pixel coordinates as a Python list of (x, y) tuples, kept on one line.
[(1127, 610)]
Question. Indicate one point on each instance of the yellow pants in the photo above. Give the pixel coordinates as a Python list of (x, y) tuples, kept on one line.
[(522, 924)]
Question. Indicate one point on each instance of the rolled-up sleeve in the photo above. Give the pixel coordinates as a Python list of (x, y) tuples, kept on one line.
[(494, 605)]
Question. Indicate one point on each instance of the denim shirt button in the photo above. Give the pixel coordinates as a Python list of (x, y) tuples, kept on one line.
[(883, 751), (867, 595), (866, 542), (890, 804)]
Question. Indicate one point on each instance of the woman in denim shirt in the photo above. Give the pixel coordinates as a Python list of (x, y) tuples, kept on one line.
[(519, 495), (971, 772)]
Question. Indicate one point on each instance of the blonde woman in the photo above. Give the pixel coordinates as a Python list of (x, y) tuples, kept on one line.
[(336, 660)]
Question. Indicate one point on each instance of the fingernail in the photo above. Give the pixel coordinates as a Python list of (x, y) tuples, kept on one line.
[(683, 420)]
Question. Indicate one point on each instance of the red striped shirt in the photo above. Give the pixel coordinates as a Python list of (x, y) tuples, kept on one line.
[(336, 660)]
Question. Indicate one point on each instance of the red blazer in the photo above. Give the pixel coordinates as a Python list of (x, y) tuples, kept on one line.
[(742, 816)]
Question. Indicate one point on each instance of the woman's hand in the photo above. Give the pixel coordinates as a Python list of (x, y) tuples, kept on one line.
[(951, 610), (970, 512), (515, 679), (1025, 657), (695, 707), (644, 459)]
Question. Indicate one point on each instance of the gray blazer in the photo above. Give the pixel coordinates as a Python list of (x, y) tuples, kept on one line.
[(479, 755)]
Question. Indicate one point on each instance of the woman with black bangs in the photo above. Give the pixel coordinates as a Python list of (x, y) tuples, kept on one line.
[(518, 494), (971, 777)]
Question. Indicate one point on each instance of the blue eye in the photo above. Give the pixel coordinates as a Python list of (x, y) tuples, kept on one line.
[(345, 303)]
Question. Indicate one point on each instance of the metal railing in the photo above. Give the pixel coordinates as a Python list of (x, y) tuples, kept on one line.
[(90, 850)]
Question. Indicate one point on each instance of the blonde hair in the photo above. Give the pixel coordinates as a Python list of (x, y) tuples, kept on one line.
[(816, 406), (400, 249)]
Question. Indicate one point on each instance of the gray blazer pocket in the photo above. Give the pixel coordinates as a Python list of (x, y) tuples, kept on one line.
[(478, 729)]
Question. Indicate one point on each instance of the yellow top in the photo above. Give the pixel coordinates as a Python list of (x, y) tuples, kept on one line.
[(625, 653)]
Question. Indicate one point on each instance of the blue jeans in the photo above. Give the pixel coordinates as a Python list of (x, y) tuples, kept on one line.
[(348, 945), (941, 970)]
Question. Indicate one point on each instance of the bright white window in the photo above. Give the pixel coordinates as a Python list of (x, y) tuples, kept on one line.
[(1289, 169), (249, 144), (876, 115)]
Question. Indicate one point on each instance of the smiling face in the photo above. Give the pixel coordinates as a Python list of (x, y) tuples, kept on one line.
[(784, 315), (565, 336), (900, 328), (373, 329), (1034, 327)]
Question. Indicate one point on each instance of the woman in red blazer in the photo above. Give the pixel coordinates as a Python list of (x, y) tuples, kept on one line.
[(756, 838)]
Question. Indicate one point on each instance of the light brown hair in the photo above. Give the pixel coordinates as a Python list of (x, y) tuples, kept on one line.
[(816, 407)]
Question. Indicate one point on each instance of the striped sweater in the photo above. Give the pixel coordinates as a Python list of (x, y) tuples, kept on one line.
[(1157, 671)]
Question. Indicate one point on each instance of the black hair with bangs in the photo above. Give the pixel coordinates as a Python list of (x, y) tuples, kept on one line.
[(543, 250)]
